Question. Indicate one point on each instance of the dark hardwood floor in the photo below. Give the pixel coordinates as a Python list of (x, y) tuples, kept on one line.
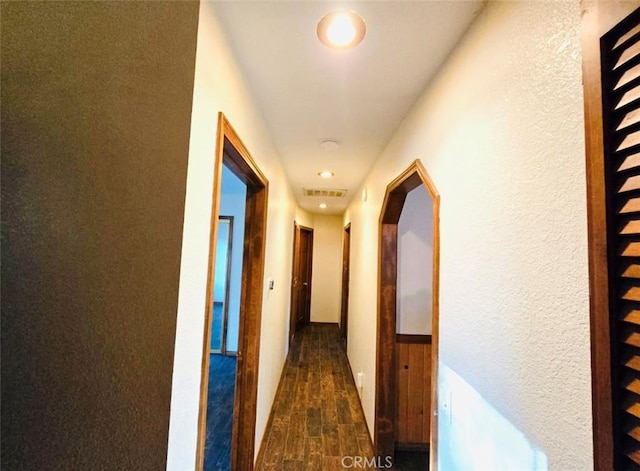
[(316, 422)]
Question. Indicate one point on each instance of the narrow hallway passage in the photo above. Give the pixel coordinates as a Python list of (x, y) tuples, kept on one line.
[(316, 422)]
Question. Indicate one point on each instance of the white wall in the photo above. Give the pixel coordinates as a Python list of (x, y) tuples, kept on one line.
[(415, 264), (326, 278), (219, 86), (500, 130)]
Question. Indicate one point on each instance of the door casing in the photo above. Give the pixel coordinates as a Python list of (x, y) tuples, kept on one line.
[(236, 157), (300, 312)]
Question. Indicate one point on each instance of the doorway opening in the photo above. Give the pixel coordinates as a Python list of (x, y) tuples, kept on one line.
[(222, 285), (344, 310), (407, 336), (242, 294), (301, 279)]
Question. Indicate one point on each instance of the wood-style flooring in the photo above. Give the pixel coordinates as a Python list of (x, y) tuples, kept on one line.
[(316, 422)]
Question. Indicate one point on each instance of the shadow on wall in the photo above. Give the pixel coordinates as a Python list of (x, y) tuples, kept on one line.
[(473, 436)]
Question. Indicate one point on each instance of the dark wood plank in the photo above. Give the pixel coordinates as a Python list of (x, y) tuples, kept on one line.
[(426, 397), (402, 392), (275, 447), (291, 465), (330, 440), (313, 454), (294, 447), (343, 410), (314, 438), (348, 440), (415, 414), (314, 422)]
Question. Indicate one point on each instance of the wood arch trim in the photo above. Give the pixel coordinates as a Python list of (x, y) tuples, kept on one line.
[(231, 151), (395, 195)]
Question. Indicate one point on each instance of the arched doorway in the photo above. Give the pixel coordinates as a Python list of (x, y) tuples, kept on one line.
[(385, 433)]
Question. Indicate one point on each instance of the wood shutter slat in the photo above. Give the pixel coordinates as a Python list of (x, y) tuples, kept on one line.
[(631, 227), (624, 38), (628, 76), (632, 249), (628, 97), (630, 140), (628, 54), (632, 205), (633, 362), (633, 454), (632, 383), (629, 119), (631, 316), (629, 162), (634, 432), (631, 271), (633, 339), (630, 184), (634, 409), (632, 294)]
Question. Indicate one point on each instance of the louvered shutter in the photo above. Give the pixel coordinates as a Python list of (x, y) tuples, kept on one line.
[(620, 51)]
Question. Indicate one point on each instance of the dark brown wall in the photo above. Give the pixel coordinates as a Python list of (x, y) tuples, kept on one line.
[(96, 109)]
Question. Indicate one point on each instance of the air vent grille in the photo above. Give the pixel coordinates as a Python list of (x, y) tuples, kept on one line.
[(324, 192)]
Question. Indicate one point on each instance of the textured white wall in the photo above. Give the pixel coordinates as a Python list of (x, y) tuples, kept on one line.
[(219, 86), (500, 130), (326, 279)]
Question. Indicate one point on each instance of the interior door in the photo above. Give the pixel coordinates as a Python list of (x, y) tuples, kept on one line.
[(346, 242), (301, 280)]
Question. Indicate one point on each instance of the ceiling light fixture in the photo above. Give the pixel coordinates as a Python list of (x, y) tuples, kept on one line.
[(322, 206), (342, 29), (325, 174)]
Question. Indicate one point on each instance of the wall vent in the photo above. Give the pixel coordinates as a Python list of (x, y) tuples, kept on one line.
[(331, 193)]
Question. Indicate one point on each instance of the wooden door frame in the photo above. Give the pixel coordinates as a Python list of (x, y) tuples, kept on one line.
[(295, 265), (344, 302), (231, 151), (385, 413)]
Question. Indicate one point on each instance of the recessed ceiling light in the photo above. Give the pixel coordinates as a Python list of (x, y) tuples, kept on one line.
[(322, 206), (325, 174), (329, 144), (342, 29)]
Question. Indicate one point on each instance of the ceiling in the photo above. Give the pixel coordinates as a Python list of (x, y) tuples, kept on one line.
[(308, 92)]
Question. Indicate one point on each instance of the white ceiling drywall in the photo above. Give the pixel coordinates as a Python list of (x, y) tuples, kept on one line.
[(308, 92)]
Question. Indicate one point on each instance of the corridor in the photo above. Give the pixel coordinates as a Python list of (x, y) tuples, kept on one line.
[(316, 420), (118, 120)]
